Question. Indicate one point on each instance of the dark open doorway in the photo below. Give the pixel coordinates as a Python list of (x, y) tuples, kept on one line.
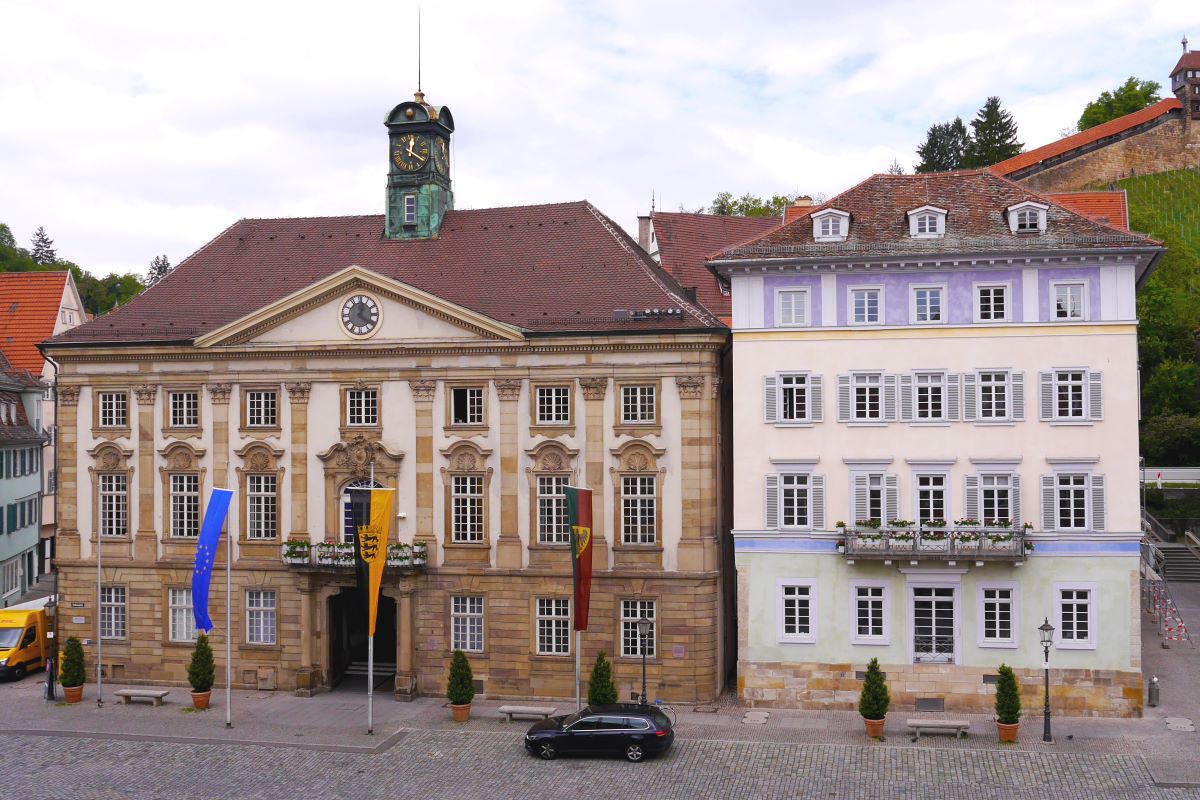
[(348, 641)]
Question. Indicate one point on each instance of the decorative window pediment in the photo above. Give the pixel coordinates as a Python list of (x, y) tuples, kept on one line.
[(927, 222), (1027, 217), (831, 225)]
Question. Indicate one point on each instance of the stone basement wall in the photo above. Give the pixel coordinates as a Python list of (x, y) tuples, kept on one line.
[(1165, 147), (1074, 692)]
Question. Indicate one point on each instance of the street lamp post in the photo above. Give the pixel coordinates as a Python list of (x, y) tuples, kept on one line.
[(1046, 631), (643, 626)]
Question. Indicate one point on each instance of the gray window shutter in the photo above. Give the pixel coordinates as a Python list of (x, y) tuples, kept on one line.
[(1098, 516), (1046, 395), (891, 497), (843, 398), (816, 398), (889, 397), (1018, 396), (1049, 512), (954, 397), (1096, 395), (906, 398), (971, 497), (1014, 502), (968, 392), (771, 503), (818, 501), (770, 399), (861, 508)]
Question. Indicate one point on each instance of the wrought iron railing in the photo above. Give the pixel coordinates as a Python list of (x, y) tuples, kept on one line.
[(933, 649), (966, 542)]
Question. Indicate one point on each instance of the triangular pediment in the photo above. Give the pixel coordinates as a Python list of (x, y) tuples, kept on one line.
[(404, 314)]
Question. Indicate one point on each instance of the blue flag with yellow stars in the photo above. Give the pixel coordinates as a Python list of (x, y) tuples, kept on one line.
[(206, 551)]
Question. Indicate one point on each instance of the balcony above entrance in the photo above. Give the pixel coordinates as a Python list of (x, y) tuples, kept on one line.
[(957, 543)]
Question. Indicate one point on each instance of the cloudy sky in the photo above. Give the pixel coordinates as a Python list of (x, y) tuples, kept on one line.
[(130, 129)]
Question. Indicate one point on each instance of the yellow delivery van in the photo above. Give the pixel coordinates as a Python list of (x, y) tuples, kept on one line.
[(22, 641)]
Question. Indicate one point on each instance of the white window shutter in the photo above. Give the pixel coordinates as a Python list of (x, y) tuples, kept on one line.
[(953, 397), (971, 497), (968, 392), (891, 497), (889, 397), (816, 398), (906, 398), (770, 399), (1046, 395), (1098, 515), (1014, 502), (1049, 512), (843, 398), (1018, 396), (861, 507), (1096, 395), (771, 503), (818, 501)]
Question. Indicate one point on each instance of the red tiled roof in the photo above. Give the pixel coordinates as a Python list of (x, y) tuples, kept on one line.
[(29, 303), (546, 269), (1189, 60), (1075, 141), (975, 202), (686, 241), (1107, 208)]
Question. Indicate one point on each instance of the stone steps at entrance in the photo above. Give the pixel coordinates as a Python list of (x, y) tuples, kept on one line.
[(360, 668)]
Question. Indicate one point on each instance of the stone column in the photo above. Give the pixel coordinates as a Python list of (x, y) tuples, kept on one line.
[(145, 543), (306, 675), (694, 555), (508, 547), (594, 390), (298, 397), (422, 393), (406, 685), (66, 546)]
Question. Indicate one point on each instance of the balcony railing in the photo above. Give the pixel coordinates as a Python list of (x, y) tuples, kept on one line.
[(939, 544)]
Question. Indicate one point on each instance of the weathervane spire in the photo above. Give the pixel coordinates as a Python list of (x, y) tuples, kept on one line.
[(419, 48)]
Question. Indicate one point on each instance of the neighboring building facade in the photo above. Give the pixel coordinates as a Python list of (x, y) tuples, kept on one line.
[(476, 361), (918, 353), (20, 480)]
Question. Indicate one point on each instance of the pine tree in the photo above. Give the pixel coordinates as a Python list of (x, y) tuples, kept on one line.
[(944, 147), (601, 688), (159, 268), (1008, 697), (993, 136), (201, 668), (874, 701), (43, 248), (895, 167)]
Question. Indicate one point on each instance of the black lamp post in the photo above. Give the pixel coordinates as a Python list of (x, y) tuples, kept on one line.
[(1046, 631), (643, 626)]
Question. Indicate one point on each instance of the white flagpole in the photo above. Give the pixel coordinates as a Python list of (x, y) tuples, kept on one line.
[(578, 647), (99, 637), (228, 629), (370, 640)]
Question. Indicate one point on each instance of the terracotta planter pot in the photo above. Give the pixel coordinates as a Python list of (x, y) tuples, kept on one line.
[(200, 699), (874, 727), (73, 693), (460, 713), (1007, 733)]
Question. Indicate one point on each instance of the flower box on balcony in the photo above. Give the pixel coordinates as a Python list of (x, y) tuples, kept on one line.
[(399, 555), (296, 551), (419, 554)]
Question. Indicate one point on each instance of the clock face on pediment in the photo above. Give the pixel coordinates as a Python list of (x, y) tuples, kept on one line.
[(360, 315)]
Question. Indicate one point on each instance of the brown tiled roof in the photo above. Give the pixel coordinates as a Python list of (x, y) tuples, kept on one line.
[(975, 202), (1189, 60), (1078, 140), (29, 303), (545, 269), (1107, 208), (18, 430), (686, 241)]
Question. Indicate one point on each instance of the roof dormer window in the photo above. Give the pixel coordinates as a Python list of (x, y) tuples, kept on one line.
[(927, 222), (830, 225), (1028, 217)]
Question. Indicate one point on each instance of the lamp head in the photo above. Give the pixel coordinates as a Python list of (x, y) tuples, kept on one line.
[(643, 626), (1046, 631)]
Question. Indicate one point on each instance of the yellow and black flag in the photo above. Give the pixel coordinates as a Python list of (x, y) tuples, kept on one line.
[(371, 513)]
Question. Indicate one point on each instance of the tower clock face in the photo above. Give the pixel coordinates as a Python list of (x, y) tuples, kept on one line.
[(441, 156), (360, 315), (410, 152)]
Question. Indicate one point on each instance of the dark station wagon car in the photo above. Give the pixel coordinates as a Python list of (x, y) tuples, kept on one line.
[(628, 729)]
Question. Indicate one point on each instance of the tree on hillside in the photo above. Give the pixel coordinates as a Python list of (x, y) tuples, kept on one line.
[(6, 237), (1132, 95), (159, 267), (43, 248), (944, 148), (726, 205), (993, 136)]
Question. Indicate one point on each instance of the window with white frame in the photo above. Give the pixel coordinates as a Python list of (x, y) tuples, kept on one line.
[(114, 410), (931, 498), (362, 407), (830, 225), (262, 408), (260, 616), (792, 306), (993, 395), (553, 626), (797, 618), (466, 623), (631, 640), (466, 405), (929, 389), (113, 491), (638, 404), (1068, 300), (995, 495), (867, 388), (927, 304), (10, 576), (1076, 626), (996, 610), (864, 306), (991, 303), (185, 504), (185, 409), (1027, 221), (927, 224), (793, 397), (182, 622), (869, 613), (112, 612), (552, 510), (553, 405), (794, 501), (1069, 388), (638, 509), (262, 520), (1071, 500), (872, 500), (933, 613), (410, 209), (466, 509)]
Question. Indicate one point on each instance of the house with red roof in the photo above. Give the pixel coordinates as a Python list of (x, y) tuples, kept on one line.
[(21, 444)]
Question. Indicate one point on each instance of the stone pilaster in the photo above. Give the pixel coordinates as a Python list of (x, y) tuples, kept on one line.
[(66, 457), (306, 676), (405, 662), (696, 554), (594, 390), (145, 543), (219, 392), (508, 546), (422, 393), (298, 397)]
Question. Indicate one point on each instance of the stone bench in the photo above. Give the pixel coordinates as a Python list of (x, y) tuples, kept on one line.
[(958, 726), (540, 712), (153, 695)]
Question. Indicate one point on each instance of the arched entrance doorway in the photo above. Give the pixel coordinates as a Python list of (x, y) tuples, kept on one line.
[(348, 640)]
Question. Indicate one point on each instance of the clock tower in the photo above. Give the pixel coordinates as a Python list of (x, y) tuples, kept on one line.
[(418, 187)]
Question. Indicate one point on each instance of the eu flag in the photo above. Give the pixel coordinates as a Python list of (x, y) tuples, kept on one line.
[(206, 551)]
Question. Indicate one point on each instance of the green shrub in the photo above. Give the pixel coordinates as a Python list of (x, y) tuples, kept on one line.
[(601, 688), (200, 671), (1008, 696), (72, 664), (874, 701), (460, 689)]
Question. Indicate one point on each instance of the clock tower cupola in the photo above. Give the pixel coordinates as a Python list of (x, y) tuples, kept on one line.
[(418, 187)]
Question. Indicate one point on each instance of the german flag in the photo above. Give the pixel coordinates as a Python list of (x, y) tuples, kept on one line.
[(579, 517), (371, 511)]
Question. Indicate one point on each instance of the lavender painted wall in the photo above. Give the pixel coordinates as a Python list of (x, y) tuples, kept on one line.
[(1046, 298), (774, 283), (959, 303)]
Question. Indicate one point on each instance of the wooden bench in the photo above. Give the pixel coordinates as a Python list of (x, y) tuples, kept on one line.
[(958, 726), (153, 695), (541, 712)]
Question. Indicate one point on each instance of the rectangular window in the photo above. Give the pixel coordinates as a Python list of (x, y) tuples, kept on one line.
[(553, 626), (868, 612), (637, 404), (185, 504), (638, 509), (182, 621), (993, 395), (466, 510), (1075, 617), (992, 303), (875, 497), (1068, 301), (631, 640), (794, 500), (1027, 221), (261, 507), (933, 625), (864, 306), (793, 396), (927, 304), (112, 612), (262, 409), (1072, 501), (867, 388), (831, 226), (931, 497), (997, 615), (185, 409), (1068, 394), (410, 209), (466, 405), (260, 617), (930, 390), (10, 576), (552, 510), (114, 410), (793, 307), (114, 504), (466, 623), (795, 611), (553, 405), (996, 496), (362, 407)]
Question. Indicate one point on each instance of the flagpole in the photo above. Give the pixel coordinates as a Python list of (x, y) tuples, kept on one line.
[(371, 644), (99, 637), (575, 612), (228, 631)]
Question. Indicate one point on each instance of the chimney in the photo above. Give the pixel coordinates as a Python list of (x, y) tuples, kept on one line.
[(797, 209), (645, 231)]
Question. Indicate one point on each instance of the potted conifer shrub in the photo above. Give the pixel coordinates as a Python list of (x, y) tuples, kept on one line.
[(1008, 704), (460, 688), (601, 688), (200, 673), (72, 676), (874, 700)]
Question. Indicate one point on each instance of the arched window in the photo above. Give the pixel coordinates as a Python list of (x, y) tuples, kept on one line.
[(348, 501)]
